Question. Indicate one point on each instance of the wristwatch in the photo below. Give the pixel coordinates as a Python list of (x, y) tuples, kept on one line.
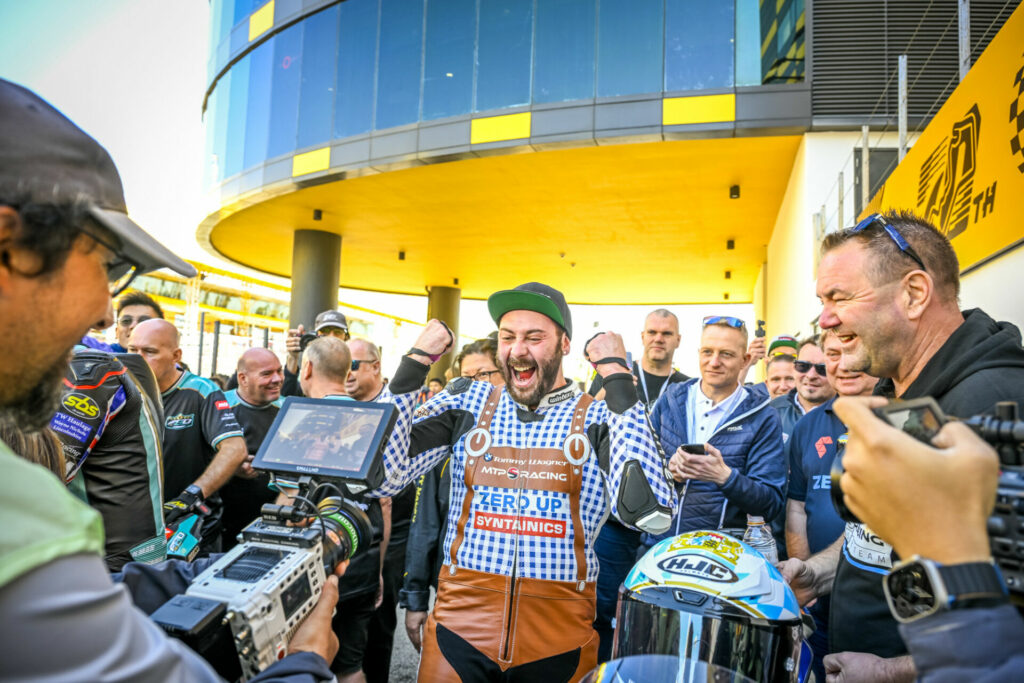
[(919, 587)]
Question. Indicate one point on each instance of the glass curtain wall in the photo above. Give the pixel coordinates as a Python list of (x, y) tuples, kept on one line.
[(363, 65)]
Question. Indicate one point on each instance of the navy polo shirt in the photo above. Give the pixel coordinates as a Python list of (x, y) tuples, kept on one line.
[(812, 448)]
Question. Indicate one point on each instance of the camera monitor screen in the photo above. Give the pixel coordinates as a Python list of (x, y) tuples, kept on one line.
[(327, 438)]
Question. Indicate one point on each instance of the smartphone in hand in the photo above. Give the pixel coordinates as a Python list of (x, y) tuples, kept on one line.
[(694, 448)]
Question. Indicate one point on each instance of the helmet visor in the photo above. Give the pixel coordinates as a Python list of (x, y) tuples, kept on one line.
[(750, 647)]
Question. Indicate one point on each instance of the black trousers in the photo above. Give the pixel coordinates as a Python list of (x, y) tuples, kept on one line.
[(377, 657)]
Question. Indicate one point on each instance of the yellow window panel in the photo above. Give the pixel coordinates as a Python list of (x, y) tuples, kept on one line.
[(311, 162), (261, 20), (498, 128), (701, 109)]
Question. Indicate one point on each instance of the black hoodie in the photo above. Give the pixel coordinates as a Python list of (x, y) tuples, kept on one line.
[(980, 364)]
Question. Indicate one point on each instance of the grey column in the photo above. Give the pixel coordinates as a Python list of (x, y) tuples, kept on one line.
[(443, 304), (316, 267)]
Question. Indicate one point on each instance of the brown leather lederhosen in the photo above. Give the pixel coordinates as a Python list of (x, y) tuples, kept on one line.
[(520, 620)]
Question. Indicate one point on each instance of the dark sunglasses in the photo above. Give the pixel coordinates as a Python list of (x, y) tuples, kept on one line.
[(723, 320), (802, 366), (356, 363), (876, 220)]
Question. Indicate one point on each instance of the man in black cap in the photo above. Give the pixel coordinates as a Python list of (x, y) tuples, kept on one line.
[(328, 323), (534, 464), (66, 246)]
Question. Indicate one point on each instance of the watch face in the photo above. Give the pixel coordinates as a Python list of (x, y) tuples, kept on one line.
[(911, 592)]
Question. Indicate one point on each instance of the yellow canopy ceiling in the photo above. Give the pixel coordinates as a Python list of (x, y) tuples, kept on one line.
[(641, 223)]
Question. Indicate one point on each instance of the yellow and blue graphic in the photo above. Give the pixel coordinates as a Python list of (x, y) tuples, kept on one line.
[(719, 566)]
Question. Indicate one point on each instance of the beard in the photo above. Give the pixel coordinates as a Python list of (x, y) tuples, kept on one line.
[(34, 409), (547, 373)]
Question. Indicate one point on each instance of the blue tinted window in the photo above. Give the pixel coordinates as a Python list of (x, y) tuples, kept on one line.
[(319, 57), (257, 118), (629, 48), (448, 58), (237, 107), (244, 8), (563, 67), (225, 17), (698, 44), (209, 156), (220, 125), (401, 50), (504, 53), (748, 43), (357, 61), (284, 91)]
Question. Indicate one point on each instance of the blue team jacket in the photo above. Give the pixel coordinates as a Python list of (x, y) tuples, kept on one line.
[(750, 439)]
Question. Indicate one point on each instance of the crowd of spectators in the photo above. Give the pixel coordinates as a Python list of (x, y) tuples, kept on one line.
[(162, 443)]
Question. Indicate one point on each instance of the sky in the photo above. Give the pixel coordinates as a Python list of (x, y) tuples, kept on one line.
[(132, 74)]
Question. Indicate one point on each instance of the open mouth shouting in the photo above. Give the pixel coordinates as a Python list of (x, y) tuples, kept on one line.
[(522, 372)]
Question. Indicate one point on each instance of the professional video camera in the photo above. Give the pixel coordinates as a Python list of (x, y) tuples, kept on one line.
[(241, 612), (922, 418)]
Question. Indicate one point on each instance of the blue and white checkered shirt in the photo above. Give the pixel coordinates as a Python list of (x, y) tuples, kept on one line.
[(418, 444)]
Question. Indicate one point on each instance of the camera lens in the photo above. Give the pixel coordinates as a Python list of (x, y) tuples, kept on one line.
[(836, 474), (346, 529), (305, 339)]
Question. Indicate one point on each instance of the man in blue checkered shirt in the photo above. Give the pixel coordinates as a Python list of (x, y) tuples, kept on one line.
[(536, 466)]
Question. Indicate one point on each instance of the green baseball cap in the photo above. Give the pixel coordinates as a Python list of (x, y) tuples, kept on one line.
[(783, 344), (532, 296)]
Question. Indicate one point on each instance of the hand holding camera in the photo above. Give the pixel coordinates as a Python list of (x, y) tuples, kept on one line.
[(924, 501)]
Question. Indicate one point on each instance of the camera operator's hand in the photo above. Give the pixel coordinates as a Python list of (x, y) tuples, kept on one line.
[(606, 345), (434, 341), (190, 500), (414, 622), (933, 502), (756, 351), (293, 345), (707, 467), (315, 633), (245, 470)]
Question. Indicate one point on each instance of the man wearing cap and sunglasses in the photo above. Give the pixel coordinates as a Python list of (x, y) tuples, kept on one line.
[(534, 465), (327, 323), (812, 387), (889, 290), (66, 246)]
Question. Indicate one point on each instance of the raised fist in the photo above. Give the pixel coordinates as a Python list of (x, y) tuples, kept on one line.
[(606, 345), (434, 340)]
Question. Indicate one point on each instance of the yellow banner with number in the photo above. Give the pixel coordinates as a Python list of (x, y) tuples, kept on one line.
[(966, 172)]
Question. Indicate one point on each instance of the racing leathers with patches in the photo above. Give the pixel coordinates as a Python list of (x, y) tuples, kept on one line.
[(529, 493)]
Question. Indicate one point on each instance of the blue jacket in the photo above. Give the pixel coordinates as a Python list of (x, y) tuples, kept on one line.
[(750, 440)]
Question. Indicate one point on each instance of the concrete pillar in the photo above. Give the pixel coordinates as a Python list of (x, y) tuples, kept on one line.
[(443, 304), (316, 267)]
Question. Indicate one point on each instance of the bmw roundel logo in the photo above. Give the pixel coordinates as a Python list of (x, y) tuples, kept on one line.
[(488, 457), (513, 472)]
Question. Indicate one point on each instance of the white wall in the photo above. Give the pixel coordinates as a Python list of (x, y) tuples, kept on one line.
[(996, 288)]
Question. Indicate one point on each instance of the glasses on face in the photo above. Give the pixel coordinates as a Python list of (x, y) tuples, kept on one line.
[(127, 320), (120, 271), (356, 363), (723, 320), (876, 220), (803, 366), (483, 375)]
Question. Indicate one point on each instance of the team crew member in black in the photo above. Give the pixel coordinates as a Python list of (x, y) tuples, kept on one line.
[(203, 445), (255, 404), (616, 544), (110, 430), (889, 290), (654, 370)]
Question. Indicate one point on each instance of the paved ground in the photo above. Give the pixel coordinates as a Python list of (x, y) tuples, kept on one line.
[(403, 658)]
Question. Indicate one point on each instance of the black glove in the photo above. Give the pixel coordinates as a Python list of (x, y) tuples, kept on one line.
[(190, 501)]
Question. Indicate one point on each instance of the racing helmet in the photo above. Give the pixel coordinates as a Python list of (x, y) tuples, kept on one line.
[(707, 596)]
